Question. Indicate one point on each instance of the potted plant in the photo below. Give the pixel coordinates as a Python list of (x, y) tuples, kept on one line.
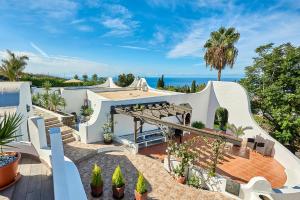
[(96, 182), (140, 192), (9, 161), (107, 133), (179, 173), (118, 183)]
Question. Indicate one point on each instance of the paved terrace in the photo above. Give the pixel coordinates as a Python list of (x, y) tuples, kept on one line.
[(161, 184), (36, 182), (239, 164)]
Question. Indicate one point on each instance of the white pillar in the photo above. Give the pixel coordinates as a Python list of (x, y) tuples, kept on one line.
[(37, 132)]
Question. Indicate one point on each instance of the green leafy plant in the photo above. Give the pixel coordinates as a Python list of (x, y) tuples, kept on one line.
[(8, 128), (56, 101), (198, 124), (117, 178), (107, 130), (96, 176), (221, 118), (86, 110), (141, 186), (194, 181), (179, 170), (238, 131)]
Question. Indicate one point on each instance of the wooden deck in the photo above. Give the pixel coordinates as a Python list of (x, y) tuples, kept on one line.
[(35, 184)]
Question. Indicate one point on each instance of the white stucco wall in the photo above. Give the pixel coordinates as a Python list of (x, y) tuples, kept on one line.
[(74, 100)]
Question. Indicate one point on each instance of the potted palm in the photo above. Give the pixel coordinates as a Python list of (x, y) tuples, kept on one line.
[(9, 161), (118, 183), (96, 182), (140, 192)]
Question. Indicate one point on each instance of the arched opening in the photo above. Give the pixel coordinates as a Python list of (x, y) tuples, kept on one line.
[(221, 119)]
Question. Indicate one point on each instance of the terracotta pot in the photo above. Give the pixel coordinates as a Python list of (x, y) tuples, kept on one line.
[(9, 172), (181, 179), (139, 196), (118, 193), (96, 190)]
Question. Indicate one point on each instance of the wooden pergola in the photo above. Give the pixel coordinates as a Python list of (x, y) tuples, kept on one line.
[(153, 113)]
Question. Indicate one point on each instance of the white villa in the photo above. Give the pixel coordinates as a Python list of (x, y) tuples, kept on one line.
[(45, 133)]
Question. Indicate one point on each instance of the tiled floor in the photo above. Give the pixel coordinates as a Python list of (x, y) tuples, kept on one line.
[(160, 184), (238, 164)]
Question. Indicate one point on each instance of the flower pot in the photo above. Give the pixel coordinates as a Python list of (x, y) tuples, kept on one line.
[(96, 191), (118, 192), (181, 179), (108, 141), (139, 196), (9, 172)]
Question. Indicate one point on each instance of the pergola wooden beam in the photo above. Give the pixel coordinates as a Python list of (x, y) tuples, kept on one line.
[(155, 120)]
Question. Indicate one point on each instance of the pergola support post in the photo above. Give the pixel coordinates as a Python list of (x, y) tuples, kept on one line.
[(112, 122), (135, 130)]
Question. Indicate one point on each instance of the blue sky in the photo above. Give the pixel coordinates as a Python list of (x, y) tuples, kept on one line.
[(144, 37)]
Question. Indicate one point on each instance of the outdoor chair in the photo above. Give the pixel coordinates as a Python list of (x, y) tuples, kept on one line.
[(251, 143), (265, 148)]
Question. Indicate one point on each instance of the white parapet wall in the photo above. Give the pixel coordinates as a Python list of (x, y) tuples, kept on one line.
[(66, 178)]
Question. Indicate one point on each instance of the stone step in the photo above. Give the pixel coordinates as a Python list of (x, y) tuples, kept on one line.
[(68, 140), (66, 136), (55, 121), (67, 131), (60, 124), (50, 118)]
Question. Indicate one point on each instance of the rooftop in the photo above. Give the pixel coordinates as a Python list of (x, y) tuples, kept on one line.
[(128, 94)]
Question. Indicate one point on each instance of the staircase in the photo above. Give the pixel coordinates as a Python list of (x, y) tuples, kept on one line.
[(52, 121)]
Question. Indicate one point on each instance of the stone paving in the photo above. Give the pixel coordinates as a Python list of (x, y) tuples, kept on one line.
[(161, 184)]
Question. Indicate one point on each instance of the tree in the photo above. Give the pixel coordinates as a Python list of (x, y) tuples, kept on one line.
[(193, 87), (47, 86), (95, 77), (221, 118), (160, 82), (76, 77), (273, 84), (125, 80), (238, 131), (13, 67), (56, 101), (85, 77), (220, 50)]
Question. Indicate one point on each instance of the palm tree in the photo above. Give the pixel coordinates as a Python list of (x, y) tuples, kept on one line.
[(220, 50), (12, 67), (47, 86), (56, 101), (238, 131), (8, 128)]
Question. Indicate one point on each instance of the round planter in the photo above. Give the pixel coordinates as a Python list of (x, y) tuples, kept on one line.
[(96, 191), (108, 141), (139, 196), (181, 180), (9, 172), (118, 193)]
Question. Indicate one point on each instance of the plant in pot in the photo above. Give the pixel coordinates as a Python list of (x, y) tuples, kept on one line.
[(118, 183), (107, 132), (179, 173), (96, 182), (9, 161), (140, 192)]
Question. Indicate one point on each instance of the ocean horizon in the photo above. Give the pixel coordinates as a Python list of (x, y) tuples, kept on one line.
[(182, 81)]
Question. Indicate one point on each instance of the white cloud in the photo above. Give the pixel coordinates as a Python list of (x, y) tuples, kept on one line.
[(60, 65), (118, 20), (39, 49), (133, 47), (77, 21), (159, 37), (85, 28)]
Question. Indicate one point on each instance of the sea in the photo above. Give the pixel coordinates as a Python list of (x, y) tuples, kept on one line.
[(182, 81)]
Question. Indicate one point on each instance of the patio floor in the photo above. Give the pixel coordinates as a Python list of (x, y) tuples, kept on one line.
[(239, 164), (36, 182), (160, 184)]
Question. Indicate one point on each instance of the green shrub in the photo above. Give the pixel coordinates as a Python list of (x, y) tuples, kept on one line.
[(194, 181), (198, 124), (96, 176), (141, 184), (117, 177)]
